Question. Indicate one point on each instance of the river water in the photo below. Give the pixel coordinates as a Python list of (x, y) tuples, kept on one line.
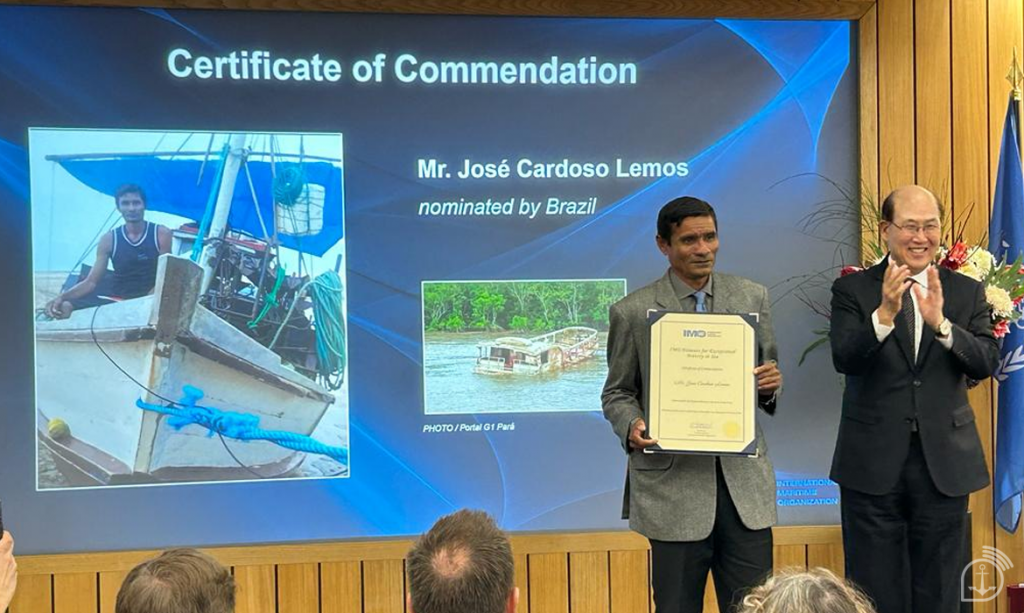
[(451, 386)]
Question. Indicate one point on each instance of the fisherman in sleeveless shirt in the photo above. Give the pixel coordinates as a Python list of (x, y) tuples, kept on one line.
[(132, 249)]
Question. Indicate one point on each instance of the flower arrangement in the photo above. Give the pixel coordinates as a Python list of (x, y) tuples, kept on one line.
[(1004, 282)]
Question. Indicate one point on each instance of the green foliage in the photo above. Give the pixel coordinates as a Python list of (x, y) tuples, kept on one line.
[(537, 306), (520, 323), (454, 323)]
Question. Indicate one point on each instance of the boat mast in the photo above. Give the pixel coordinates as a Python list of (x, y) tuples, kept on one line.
[(218, 225)]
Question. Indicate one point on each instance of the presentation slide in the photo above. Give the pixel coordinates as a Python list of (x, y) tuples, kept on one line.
[(280, 277)]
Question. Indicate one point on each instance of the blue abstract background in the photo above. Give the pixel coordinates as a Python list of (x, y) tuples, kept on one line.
[(754, 107)]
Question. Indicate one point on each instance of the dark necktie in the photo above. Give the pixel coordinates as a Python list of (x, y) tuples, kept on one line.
[(907, 308)]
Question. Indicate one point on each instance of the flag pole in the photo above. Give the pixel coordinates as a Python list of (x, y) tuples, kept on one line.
[(1016, 79)]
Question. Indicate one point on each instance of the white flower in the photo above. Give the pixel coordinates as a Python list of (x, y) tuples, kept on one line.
[(971, 270), (1000, 301), (982, 260)]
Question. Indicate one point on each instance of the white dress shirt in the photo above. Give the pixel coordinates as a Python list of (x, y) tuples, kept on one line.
[(882, 331)]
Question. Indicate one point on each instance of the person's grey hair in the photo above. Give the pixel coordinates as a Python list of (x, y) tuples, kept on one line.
[(463, 564), (814, 591), (178, 581)]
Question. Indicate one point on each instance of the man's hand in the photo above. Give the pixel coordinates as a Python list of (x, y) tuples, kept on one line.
[(929, 300), (895, 282), (769, 378), (8, 571), (636, 439), (56, 309)]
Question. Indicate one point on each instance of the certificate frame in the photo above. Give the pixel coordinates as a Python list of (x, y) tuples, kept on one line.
[(702, 391)]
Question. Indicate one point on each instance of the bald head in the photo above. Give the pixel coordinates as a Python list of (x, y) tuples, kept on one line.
[(908, 194), (451, 562)]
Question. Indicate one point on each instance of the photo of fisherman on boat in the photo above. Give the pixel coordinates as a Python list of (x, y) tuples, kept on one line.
[(515, 346), (190, 307)]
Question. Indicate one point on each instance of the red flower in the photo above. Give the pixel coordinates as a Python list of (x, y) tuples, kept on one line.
[(849, 270), (956, 256), (1001, 328)]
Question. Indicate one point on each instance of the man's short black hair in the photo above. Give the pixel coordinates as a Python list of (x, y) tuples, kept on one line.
[(679, 209), (129, 188)]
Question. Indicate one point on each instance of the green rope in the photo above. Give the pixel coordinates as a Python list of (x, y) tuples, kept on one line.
[(288, 184), (325, 291), (271, 299), (330, 328)]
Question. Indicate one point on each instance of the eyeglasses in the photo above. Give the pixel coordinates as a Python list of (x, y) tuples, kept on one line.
[(911, 229)]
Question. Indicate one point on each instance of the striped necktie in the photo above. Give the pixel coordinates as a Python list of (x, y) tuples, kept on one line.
[(909, 317)]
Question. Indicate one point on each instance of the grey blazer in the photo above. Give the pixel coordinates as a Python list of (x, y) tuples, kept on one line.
[(672, 497)]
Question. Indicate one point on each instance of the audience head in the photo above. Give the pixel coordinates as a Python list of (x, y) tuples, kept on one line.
[(178, 581), (814, 591), (462, 565)]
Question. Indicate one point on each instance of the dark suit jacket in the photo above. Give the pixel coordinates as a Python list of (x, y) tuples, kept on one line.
[(886, 391)]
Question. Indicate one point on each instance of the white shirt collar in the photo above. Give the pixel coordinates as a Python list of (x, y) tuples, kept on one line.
[(920, 278)]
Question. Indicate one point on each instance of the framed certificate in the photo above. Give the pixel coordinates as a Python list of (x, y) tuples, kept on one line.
[(702, 389)]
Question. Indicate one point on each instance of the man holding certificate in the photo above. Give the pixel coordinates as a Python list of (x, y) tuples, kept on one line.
[(703, 510)]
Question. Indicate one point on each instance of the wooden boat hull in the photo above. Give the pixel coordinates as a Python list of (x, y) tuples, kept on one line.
[(549, 352), (93, 367)]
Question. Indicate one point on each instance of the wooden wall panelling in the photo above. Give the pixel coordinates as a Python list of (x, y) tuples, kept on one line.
[(933, 133), (1005, 33), (765, 9), (895, 93), (867, 45), (34, 595), (75, 593), (383, 586), (341, 587), (789, 556), (256, 589), (522, 567), (628, 582), (298, 588), (828, 556), (589, 590), (710, 596), (549, 583), (970, 203), (110, 584)]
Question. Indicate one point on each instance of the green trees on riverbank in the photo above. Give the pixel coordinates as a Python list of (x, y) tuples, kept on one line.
[(521, 306)]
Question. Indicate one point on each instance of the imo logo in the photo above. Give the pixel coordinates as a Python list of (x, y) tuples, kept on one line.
[(694, 333), (986, 575)]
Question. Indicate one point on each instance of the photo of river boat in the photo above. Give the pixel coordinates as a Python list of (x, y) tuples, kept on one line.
[(515, 346)]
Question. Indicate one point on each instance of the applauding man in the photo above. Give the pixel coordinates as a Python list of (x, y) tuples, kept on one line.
[(908, 335)]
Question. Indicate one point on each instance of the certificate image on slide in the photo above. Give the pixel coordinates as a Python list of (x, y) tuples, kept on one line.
[(515, 346), (190, 307)]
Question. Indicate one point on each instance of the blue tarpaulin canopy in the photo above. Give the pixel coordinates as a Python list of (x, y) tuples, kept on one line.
[(171, 187)]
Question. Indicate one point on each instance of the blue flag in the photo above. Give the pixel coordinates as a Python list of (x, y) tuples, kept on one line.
[(1006, 238)]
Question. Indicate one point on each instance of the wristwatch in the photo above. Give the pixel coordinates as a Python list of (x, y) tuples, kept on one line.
[(945, 329)]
